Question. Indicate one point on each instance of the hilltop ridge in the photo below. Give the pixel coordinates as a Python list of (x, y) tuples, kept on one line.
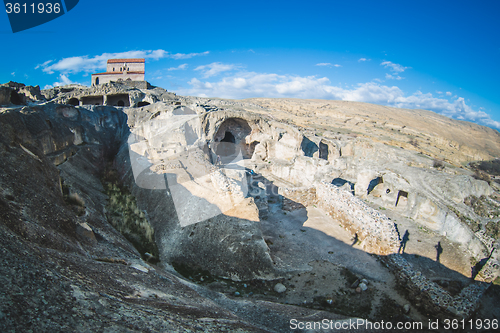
[(439, 136)]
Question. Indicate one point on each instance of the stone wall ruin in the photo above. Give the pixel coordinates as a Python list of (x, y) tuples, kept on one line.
[(432, 298), (376, 232)]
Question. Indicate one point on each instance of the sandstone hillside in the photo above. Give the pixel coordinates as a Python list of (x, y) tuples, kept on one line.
[(433, 134)]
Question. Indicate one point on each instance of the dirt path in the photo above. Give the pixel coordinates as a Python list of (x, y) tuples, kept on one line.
[(314, 249), (308, 234)]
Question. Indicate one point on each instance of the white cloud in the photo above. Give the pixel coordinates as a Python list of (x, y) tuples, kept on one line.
[(448, 93), (64, 80), (215, 68), (251, 84), (363, 59), (393, 77), (180, 67), (43, 64), (395, 68), (13, 73), (187, 55), (439, 92), (327, 64), (88, 64)]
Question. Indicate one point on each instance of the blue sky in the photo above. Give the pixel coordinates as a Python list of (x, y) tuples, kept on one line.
[(442, 56)]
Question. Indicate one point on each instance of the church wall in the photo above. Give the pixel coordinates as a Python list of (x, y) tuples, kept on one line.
[(132, 67), (106, 78)]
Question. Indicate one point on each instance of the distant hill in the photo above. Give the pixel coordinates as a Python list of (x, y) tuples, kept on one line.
[(433, 134)]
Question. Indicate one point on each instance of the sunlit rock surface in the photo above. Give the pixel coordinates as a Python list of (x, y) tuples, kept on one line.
[(239, 196)]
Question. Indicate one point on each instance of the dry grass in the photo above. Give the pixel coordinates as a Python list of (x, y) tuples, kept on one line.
[(127, 218)]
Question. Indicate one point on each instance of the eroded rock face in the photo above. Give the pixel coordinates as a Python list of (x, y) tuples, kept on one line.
[(201, 215), (393, 178), (113, 94), (38, 138), (64, 266), (226, 241), (205, 174), (13, 93)]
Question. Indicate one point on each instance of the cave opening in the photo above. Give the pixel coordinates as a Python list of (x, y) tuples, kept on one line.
[(229, 137), (92, 100), (232, 140), (339, 182), (74, 101), (323, 150), (227, 147), (118, 100), (15, 98), (140, 104), (373, 184), (402, 199), (308, 147)]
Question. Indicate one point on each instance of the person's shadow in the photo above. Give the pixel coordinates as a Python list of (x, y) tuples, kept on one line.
[(439, 250), (402, 246), (355, 239)]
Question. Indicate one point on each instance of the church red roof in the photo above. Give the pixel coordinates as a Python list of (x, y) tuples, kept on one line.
[(114, 61), (119, 73)]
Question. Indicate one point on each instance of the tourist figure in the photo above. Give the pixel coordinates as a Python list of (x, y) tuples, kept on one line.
[(405, 240), (439, 250), (218, 160)]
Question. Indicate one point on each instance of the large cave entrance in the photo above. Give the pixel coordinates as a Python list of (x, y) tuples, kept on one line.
[(232, 139), (227, 149), (15, 98), (118, 100), (308, 147), (73, 101), (229, 137), (92, 100)]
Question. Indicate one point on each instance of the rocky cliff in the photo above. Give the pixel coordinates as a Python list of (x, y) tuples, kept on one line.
[(99, 183)]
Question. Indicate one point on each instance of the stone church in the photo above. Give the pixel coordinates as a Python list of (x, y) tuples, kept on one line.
[(119, 70)]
